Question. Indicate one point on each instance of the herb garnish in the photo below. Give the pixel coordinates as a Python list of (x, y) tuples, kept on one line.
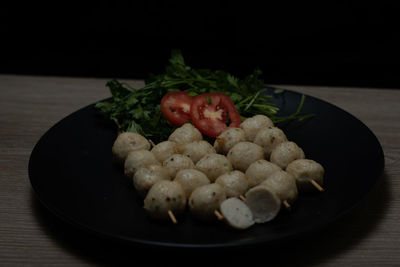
[(138, 109)]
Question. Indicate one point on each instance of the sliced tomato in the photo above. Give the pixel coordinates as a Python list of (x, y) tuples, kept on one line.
[(175, 106), (213, 113)]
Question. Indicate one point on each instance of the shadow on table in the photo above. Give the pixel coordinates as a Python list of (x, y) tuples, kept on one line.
[(339, 237)]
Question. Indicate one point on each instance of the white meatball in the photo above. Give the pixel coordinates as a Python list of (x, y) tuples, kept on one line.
[(305, 170), (205, 200), (190, 179), (137, 159), (146, 177), (164, 196), (127, 142), (243, 154), (259, 171), (286, 152), (236, 213), (164, 150), (185, 134), (268, 138), (177, 162), (214, 165), (225, 141), (252, 125), (196, 150), (263, 203), (234, 183), (283, 184)]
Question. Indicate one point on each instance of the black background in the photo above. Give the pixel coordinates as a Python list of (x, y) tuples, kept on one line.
[(352, 43)]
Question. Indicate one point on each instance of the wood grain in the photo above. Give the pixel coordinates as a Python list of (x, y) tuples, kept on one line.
[(29, 235)]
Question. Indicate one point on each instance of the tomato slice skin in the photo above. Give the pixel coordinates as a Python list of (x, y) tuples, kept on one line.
[(210, 113), (175, 107)]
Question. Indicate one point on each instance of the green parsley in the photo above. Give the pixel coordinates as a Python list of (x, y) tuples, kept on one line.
[(138, 109)]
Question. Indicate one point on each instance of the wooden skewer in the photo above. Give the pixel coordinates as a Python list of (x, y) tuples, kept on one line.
[(286, 204), (314, 183), (219, 215), (172, 217), (152, 143), (242, 198)]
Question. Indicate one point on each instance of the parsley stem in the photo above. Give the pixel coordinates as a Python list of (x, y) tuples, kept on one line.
[(244, 101), (303, 98), (252, 101)]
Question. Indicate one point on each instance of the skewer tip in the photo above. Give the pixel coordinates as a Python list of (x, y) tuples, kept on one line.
[(286, 204), (316, 185), (219, 215), (172, 217)]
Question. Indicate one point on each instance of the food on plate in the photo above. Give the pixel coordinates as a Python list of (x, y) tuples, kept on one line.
[(190, 179), (137, 159), (175, 107), (164, 150), (263, 203), (180, 107), (211, 112), (236, 213), (127, 142), (283, 184), (259, 171), (145, 177), (196, 150), (268, 138), (227, 139), (305, 171), (243, 154), (211, 182), (252, 125), (205, 200), (234, 183), (185, 134), (214, 165), (286, 152), (177, 162), (165, 196)]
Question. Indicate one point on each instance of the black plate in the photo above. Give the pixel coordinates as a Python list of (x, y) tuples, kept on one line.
[(72, 173)]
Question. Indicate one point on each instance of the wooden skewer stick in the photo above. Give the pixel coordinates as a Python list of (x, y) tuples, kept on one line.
[(172, 217), (219, 215), (286, 204), (242, 198), (314, 183), (152, 143)]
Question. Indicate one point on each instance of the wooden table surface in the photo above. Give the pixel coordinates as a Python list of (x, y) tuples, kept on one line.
[(30, 235)]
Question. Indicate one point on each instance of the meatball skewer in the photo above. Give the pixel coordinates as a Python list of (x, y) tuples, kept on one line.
[(283, 184), (234, 183), (236, 213), (205, 201), (165, 199), (308, 174), (263, 203), (286, 152)]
